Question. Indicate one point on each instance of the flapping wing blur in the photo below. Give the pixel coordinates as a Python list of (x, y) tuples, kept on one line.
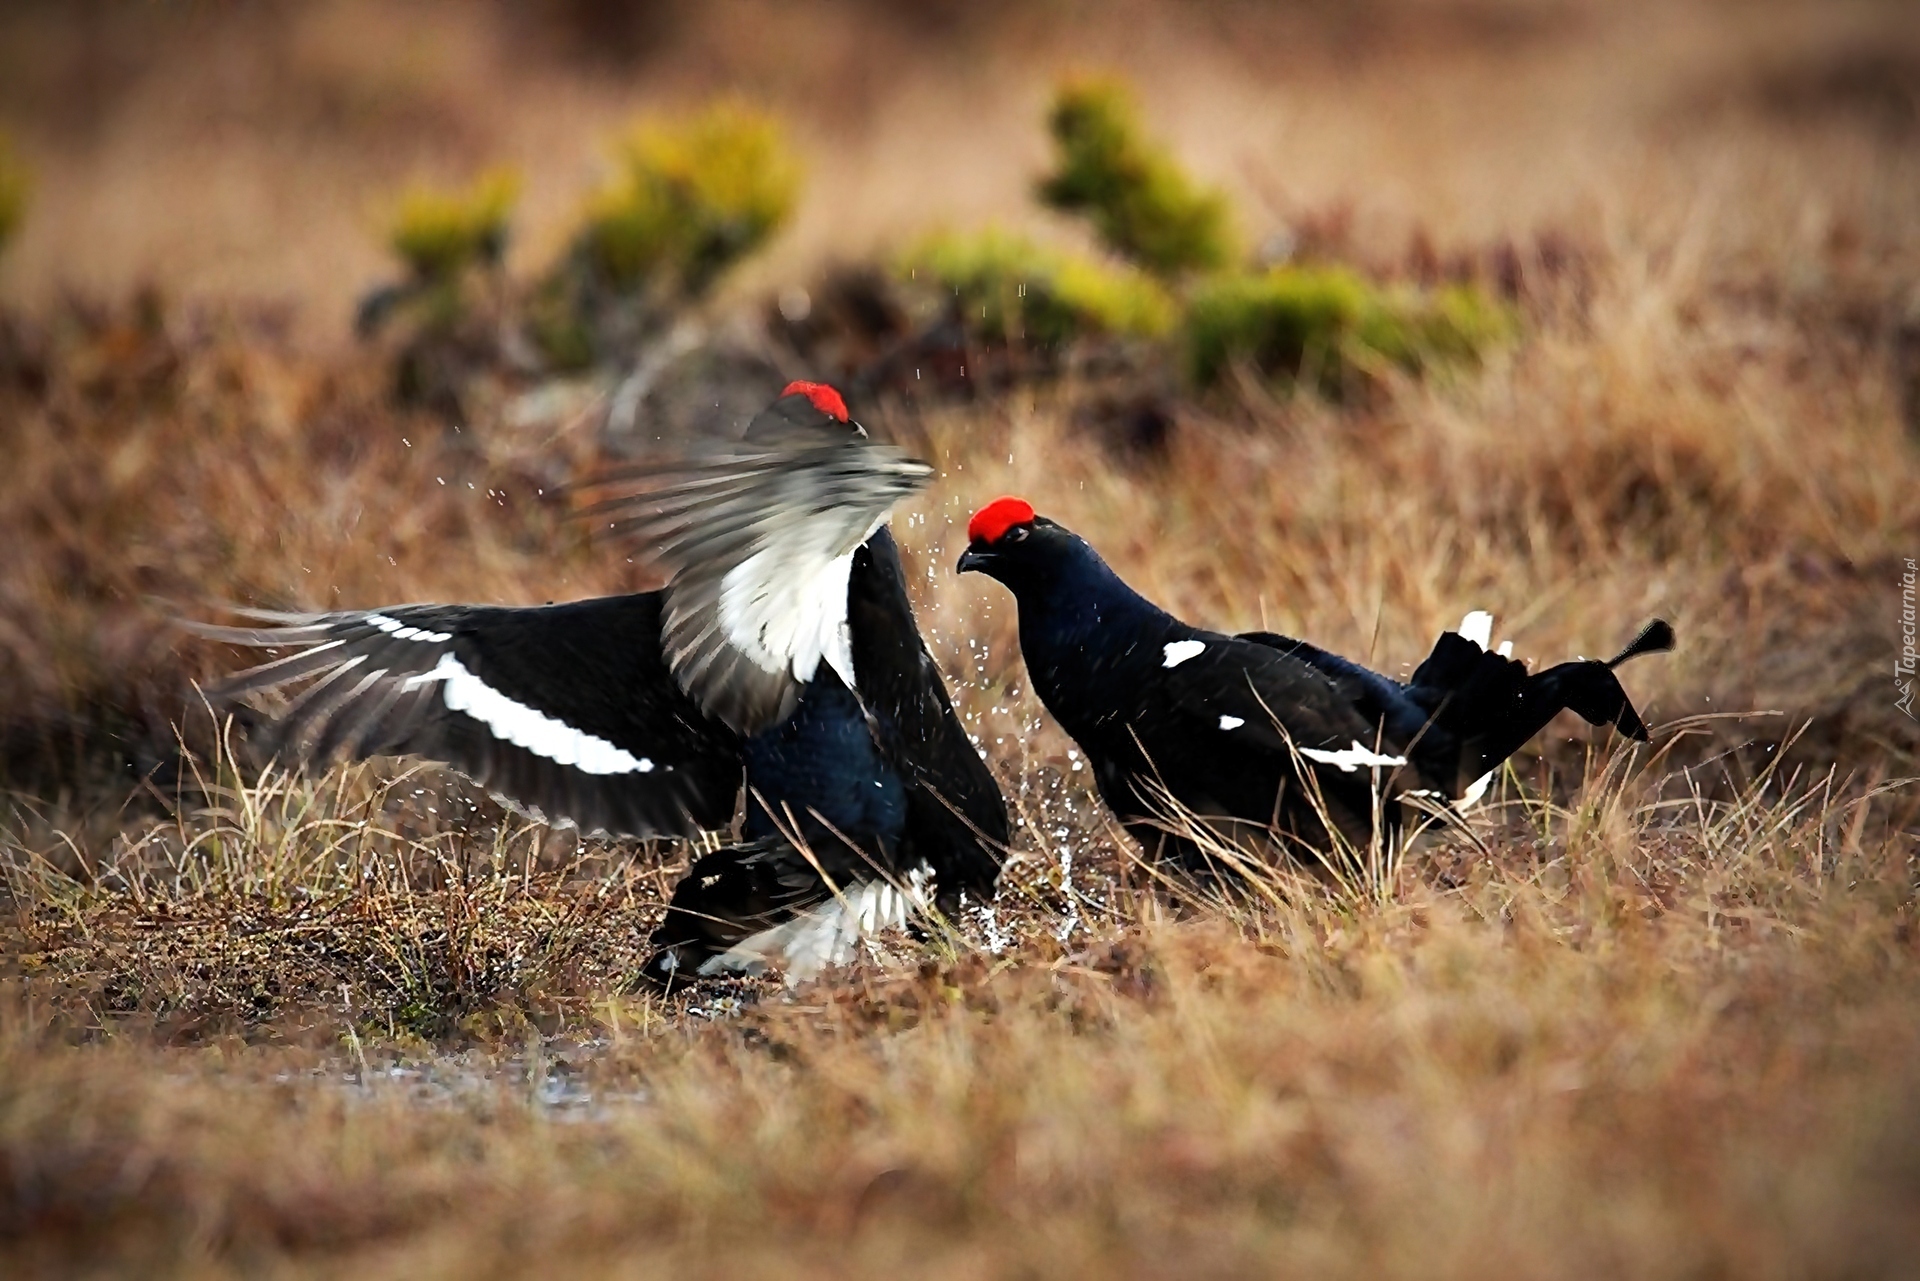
[(759, 537)]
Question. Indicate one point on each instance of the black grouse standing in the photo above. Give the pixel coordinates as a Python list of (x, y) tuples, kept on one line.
[(1227, 727), (782, 655)]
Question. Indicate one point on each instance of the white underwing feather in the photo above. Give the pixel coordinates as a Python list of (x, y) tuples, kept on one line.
[(514, 722), (785, 608), (830, 934), (401, 631)]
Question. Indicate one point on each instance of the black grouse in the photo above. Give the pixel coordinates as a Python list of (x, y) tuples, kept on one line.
[(1229, 728), (782, 656)]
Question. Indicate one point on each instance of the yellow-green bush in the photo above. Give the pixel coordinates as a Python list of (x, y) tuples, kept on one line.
[(1325, 321), (440, 233), (1458, 322), (1007, 287), (557, 325), (691, 199), (1137, 198), (13, 192)]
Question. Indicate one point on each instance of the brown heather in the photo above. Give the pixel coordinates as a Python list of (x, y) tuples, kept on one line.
[(1656, 1013)]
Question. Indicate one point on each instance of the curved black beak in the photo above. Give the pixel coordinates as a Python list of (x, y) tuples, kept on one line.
[(974, 558)]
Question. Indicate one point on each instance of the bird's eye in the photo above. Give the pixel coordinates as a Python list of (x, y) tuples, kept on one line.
[(1018, 534)]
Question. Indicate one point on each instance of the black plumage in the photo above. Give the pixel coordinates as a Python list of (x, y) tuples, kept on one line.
[(1261, 737), (380, 680), (863, 795), (873, 798)]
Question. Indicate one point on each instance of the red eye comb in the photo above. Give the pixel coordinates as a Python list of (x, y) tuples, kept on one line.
[(824, 398), (997, 517)]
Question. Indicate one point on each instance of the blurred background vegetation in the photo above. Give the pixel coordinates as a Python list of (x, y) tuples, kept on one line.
[(1278, 190)]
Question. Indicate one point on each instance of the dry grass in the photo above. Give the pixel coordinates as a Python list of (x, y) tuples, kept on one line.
[(1655, 1014), (1647, 1039)]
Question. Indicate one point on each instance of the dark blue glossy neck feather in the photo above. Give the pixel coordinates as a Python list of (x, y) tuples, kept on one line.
[(1075, 607)]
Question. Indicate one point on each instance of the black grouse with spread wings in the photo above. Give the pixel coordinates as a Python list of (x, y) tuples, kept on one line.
[(782, 657)]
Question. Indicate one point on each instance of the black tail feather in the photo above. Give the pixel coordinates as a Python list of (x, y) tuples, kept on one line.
[(1591, 691), (726, 896), (1655, 638), (1492, 706)]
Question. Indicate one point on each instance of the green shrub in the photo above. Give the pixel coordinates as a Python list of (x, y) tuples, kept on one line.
[(439, 234), (13, 192), (1007, 287), (558, 326), (1459, 322), (1327, 321), (691, 200), (1137, 198), (443, 237)]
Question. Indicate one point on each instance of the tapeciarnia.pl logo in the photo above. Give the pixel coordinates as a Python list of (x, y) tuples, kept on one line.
[(1903, 666)]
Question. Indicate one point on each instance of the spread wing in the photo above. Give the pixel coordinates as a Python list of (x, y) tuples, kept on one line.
[(568, 711), (759, 537)]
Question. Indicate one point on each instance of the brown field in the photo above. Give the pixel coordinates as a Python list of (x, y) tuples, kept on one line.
[(1656, 1014)]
